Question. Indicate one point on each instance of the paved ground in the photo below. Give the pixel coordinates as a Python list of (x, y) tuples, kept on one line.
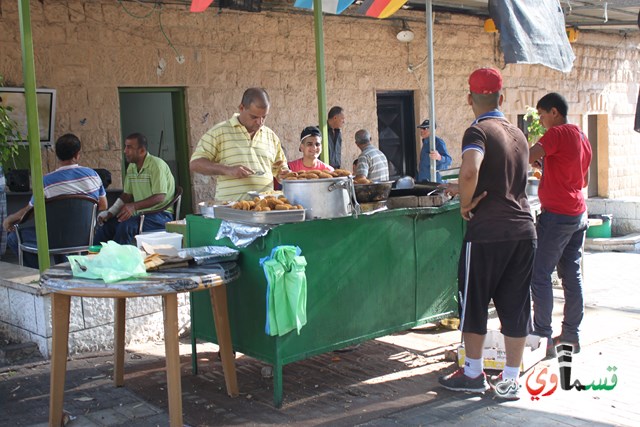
[(384, 382)]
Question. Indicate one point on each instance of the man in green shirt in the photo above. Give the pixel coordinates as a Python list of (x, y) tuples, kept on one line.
[(148, 185)]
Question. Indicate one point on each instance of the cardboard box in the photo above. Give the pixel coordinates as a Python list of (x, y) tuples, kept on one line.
[(495, 357)]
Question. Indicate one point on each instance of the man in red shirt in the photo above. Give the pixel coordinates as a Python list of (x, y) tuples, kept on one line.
[(565, 154)]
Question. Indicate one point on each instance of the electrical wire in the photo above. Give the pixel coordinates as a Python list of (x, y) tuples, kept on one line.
[(179, 57), (157, 7), (153, 9)]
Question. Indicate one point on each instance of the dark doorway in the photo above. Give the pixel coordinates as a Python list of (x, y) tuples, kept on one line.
[(159, 114), (397, 131)]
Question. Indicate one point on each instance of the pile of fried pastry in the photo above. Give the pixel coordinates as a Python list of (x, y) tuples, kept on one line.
[(268, 203), (316, 174), (361, 180)]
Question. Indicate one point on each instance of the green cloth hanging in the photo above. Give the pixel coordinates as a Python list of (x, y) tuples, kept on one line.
[(286, 290)]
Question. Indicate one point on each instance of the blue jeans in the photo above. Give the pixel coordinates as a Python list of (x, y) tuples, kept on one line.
[(560, 240), (124, 232)]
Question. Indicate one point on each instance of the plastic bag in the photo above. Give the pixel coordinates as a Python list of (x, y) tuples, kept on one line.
[(286, 290), (115, 262)]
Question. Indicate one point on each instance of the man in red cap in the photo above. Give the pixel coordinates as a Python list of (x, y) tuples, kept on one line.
[(496, 260)]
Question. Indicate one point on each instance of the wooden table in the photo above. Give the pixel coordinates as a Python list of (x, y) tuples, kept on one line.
[(60, 281)]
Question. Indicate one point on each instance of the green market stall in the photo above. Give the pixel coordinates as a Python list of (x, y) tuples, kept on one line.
[(366, 277)]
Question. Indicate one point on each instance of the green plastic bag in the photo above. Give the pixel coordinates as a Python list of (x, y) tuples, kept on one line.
[(115, 262), (286, 290)]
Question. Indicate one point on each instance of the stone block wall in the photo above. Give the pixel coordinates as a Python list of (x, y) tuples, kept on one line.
[(89, 49)]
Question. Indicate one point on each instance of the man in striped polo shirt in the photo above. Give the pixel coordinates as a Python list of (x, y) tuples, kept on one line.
[(148, 186), (244, 154), (372, 163), (69, 178)]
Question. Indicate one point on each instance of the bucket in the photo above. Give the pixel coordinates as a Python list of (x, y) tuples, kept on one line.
[(603, 230)]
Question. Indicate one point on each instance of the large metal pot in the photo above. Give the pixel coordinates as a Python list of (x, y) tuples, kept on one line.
[(323, 198), (532, 187), (206, 209), (374, 192)]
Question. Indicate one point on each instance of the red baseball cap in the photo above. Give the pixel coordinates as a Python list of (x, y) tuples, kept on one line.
[(485, 81)]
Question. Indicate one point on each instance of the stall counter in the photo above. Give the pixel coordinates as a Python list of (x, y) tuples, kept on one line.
[(366, 277)]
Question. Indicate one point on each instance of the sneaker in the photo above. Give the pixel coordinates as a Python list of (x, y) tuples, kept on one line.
[(560, 340), (506, 389), (458, 381)]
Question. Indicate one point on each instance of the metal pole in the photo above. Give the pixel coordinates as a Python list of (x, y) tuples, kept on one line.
[(320, 78), (33, 130), (432, 102)]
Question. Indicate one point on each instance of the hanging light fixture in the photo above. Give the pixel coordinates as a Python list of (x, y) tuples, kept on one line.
[(405, 35)]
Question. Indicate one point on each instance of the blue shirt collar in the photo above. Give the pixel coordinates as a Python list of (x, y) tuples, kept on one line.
[(493, 114)]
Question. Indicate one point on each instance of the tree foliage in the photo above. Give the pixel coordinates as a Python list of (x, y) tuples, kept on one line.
[(534, 129)]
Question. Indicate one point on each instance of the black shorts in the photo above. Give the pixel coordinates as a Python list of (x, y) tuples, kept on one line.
[(500, 271)]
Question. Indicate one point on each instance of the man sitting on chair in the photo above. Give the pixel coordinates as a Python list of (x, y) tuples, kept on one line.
[(70, 178), (148, 186)]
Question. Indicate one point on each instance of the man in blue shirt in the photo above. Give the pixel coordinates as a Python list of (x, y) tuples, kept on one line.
[(441, 155), (69, 178)]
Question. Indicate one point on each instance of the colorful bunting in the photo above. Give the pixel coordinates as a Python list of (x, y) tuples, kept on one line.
[(335, 7), (200, 5), (380, 8)]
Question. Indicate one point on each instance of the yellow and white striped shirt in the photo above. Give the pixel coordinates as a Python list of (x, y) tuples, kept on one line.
[(229, 143)]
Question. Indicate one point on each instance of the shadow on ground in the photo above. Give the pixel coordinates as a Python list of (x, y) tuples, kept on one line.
[(332, 388)]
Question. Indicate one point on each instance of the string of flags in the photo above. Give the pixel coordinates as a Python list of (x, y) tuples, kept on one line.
[(335, 7), (200, 5), (380, 8), (372, 8)]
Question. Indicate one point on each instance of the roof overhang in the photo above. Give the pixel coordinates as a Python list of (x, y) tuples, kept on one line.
[(611, 15)]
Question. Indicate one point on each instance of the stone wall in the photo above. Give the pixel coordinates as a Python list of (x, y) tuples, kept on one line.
[(89, 49)]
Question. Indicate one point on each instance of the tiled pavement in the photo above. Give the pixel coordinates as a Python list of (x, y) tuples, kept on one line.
[(390, 381)]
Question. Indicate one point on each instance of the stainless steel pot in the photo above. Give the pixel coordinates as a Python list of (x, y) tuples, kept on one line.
[(323, 198), (532, 187), (206, 209)]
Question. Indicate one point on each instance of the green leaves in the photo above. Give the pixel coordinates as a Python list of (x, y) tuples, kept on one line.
[(9, 132), (534, 129)]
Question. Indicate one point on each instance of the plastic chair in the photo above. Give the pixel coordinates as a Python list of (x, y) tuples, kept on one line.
[(175, 202), (71, 220)]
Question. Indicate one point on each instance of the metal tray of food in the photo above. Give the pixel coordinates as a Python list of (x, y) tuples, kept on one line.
[(258, 217)]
